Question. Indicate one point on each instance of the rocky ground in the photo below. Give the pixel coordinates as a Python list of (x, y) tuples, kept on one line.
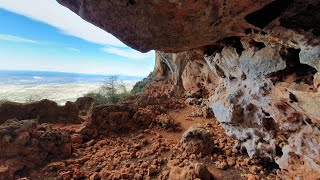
[(149, 136)]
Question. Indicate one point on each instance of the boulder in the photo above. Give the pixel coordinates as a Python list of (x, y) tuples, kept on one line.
[(197, 139)]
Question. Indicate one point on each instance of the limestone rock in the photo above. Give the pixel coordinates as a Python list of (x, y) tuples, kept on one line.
[(197, 140), (178, 25), (188, 72), (316, 82), (257, 104), (301, 155)]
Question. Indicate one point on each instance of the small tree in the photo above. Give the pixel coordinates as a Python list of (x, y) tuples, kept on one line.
[(112, 91), (32, 98), (3, 101)]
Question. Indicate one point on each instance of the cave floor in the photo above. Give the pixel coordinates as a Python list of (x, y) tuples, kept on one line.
[(150, 154)]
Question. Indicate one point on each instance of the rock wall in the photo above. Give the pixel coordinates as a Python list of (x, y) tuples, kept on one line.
[(257, 60), (262, 93), (262, 101), (188, 72)]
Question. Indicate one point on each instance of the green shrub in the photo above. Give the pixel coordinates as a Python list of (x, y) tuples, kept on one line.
[(140, 85), (32, 98), (99, 98), (112, 91), (3, 101)]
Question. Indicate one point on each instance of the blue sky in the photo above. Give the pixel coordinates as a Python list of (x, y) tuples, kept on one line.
[(42, 35)]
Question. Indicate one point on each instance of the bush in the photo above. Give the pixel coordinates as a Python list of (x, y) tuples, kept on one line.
[(112, 91), (140, 85), (2, 101), (99, 98), (32, 98)]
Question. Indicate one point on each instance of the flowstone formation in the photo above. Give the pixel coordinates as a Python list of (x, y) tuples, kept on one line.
[(257, 61)]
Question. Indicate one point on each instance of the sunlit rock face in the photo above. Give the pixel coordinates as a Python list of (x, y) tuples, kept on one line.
[(188, 71), (258, 61)]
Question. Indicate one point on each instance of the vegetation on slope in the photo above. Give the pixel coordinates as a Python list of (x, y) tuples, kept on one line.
[(140, 85), (2, 101), (112, 91)]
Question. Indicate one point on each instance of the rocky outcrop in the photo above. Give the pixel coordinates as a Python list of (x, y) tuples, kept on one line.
[(45, 111), (24, 145), (258, 61), (261, 100), (124, 117), (113, 118), (262, 94), (178, 25)]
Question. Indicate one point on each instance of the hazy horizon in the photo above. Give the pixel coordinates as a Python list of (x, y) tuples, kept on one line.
[(67, 72), (26, 86)]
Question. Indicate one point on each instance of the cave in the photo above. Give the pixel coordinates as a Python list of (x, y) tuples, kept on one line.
[(234, 94)]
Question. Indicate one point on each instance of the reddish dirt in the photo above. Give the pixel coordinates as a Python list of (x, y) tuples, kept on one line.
[(147, 146), (133, 155)]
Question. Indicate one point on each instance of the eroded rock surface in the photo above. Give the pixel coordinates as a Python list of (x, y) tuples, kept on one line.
[(265, 114), (264, 93), (197, 139), (188, 73), (177, 25), (24, 145)]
